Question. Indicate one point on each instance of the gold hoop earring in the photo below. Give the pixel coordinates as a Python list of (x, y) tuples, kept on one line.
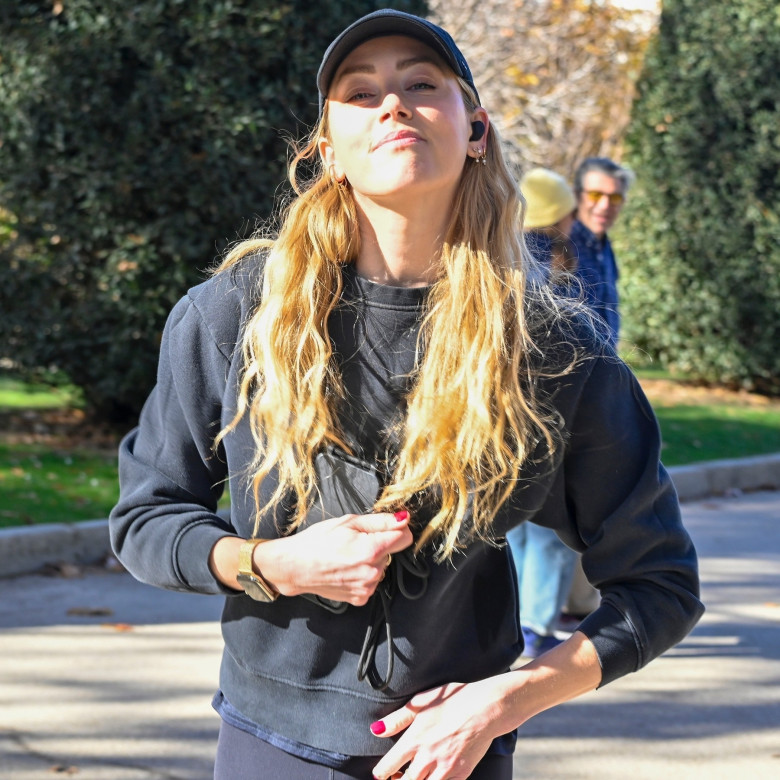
[(480, 155), (332, 176)]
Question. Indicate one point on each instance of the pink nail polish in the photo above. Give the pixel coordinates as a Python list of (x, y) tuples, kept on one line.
[(401, 515), (378, 728)]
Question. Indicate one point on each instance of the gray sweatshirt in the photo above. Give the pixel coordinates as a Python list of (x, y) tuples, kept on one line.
[(289, 667)]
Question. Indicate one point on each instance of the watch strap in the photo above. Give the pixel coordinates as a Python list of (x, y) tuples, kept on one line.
[(246, 567)]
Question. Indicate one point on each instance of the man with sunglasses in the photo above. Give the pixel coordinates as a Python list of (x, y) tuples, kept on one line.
[(600, 186)]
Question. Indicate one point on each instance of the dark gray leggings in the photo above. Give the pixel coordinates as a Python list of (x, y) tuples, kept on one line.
[(242, 756)]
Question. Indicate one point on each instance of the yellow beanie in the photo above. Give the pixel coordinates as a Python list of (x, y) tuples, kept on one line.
[(549, 198)]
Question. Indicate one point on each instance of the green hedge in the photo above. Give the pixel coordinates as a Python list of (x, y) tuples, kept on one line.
[(699, 241), (138, 138)]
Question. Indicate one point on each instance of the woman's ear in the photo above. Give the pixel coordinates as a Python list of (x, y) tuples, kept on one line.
[(479, 126), (328, 157)]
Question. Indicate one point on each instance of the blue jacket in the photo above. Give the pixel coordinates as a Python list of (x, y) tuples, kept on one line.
[(598, 272)]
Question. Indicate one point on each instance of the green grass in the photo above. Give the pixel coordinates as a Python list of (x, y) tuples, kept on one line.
[(692, 434), (19, 395), (39, 484)]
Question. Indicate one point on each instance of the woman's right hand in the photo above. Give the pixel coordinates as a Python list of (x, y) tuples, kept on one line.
[(343, 559)]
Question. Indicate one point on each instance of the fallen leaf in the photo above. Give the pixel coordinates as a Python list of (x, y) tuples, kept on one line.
[(90, 611), (68, 571), (112, 564)]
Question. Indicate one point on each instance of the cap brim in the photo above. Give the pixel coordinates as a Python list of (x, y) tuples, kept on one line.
[(376, 27)]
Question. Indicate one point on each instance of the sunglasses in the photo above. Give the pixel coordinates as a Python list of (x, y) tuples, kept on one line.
[(594, 196)]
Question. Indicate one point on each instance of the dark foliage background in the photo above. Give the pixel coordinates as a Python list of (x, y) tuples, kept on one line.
[(700, 237), (137, 140)]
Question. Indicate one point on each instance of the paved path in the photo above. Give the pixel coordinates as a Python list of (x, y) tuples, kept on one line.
[(102, 678)]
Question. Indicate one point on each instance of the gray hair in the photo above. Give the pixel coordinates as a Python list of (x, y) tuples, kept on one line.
[(603, 165)]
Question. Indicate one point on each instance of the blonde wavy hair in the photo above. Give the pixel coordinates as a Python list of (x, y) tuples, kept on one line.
[(473, 417)]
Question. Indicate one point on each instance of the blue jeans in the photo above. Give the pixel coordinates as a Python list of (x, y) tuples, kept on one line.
[(545, 567)]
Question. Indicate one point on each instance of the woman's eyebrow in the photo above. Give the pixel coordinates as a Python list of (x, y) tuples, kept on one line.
[(368, 67), (410, 61)]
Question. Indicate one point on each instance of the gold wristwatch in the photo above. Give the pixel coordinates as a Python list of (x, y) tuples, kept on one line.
[(254, 584)]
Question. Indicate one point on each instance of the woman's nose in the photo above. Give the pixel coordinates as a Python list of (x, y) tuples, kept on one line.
[(394, 105)]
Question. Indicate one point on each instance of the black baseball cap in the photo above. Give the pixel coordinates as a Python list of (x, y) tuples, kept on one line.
[(390, 22)]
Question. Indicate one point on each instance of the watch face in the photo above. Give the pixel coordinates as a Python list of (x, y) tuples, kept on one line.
[(254, 589)]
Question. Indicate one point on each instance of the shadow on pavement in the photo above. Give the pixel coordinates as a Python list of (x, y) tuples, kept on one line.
[(98, 597)]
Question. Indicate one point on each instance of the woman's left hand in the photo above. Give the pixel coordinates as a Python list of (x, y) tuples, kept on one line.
[(447, 731)]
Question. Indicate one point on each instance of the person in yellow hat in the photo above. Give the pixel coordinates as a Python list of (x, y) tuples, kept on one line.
[(549, 217), (544, 564)]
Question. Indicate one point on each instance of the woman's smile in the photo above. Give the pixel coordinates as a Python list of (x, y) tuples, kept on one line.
[(398, 139)]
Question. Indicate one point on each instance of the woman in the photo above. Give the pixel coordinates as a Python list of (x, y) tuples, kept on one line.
[(389, 387)]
